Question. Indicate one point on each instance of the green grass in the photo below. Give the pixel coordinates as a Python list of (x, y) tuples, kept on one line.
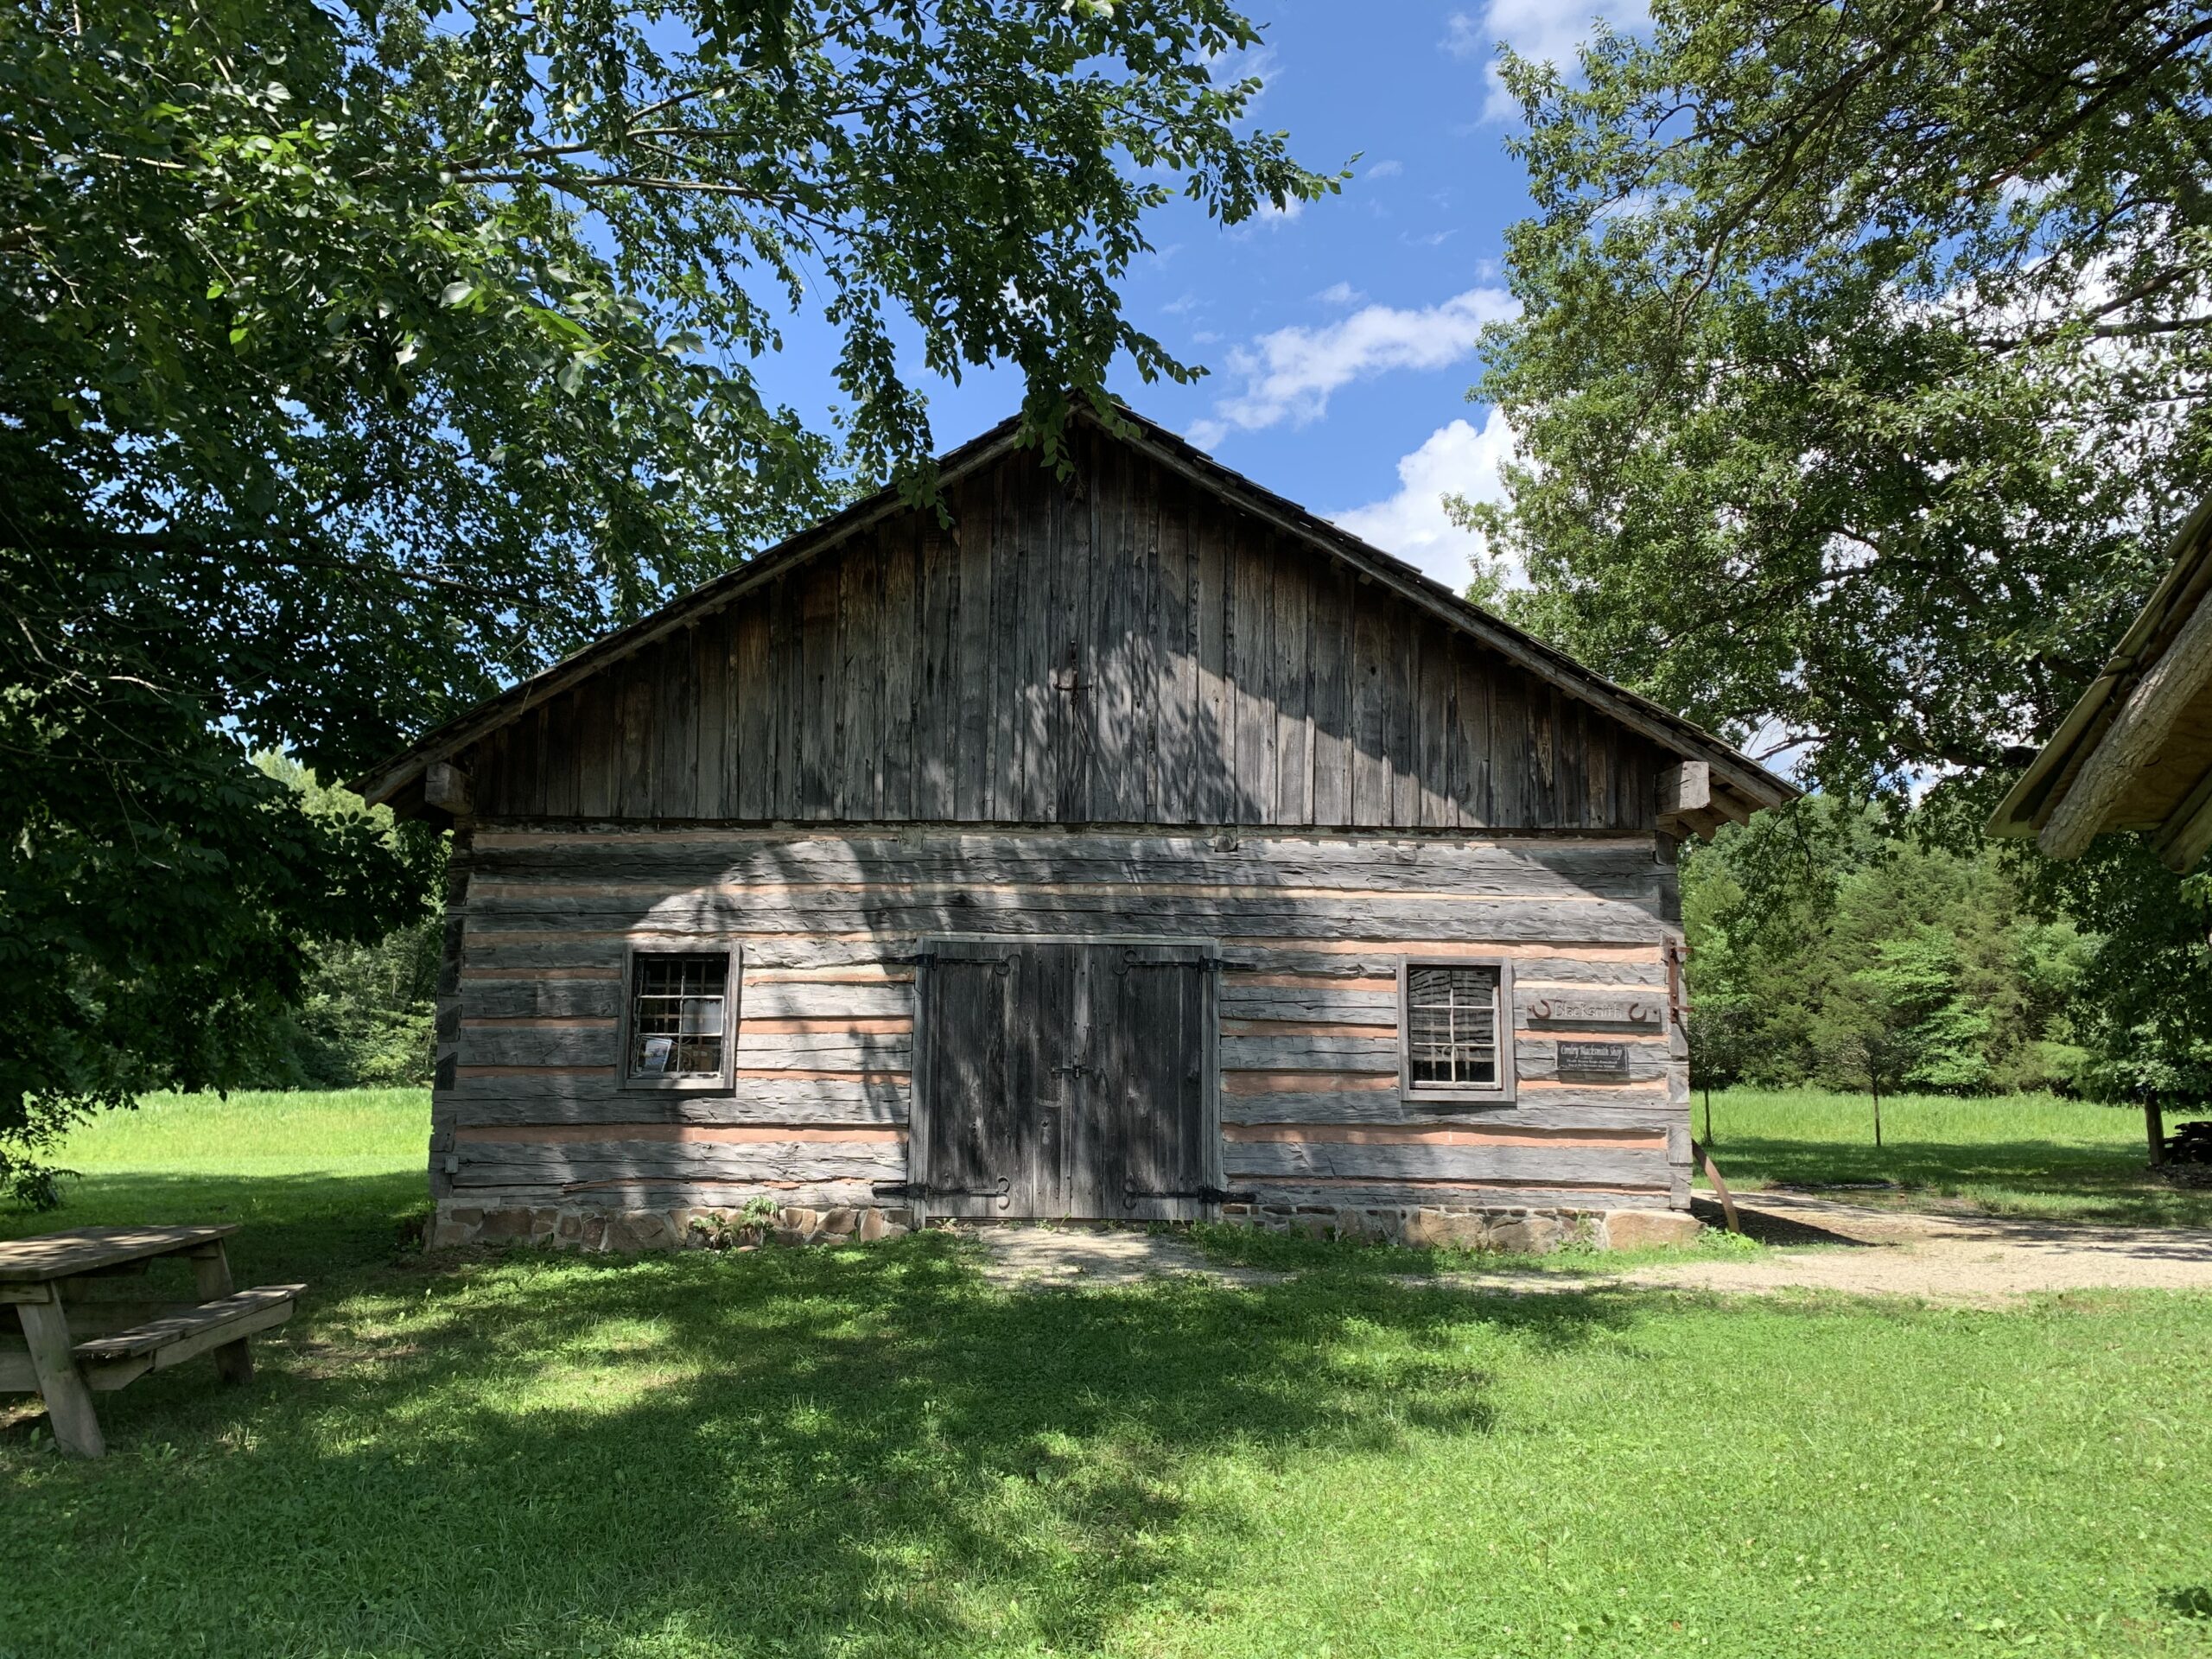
[(863, 1454), (2032, 1155)]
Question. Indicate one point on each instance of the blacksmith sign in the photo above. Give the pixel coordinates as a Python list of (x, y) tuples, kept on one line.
[(1594, 1060)]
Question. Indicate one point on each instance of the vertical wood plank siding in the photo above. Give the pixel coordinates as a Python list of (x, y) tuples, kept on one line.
[(1116, 649), (528, 1107)]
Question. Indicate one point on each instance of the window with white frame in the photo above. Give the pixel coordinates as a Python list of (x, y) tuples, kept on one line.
[(1456, 1030), (680, 1024)]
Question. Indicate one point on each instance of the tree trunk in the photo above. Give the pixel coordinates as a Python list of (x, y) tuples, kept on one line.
[(2154, 1126), (1877, 1088)]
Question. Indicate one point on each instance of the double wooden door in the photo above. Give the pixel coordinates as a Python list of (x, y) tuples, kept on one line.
[(1060, 1078)]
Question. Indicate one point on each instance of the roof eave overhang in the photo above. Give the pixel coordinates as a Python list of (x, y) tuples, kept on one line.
[(2027, 806)]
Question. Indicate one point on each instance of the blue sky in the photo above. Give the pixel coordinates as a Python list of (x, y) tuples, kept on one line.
[(1340, 338)]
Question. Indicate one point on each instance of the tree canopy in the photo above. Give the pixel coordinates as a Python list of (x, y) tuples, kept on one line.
[(1863, 363), (356, 357), (1862, 375)]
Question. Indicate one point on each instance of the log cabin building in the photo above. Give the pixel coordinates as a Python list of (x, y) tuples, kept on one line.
[(1130, 846)]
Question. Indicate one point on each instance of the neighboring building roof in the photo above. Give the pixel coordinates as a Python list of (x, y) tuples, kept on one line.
[(2136, 751), (1739, 785)]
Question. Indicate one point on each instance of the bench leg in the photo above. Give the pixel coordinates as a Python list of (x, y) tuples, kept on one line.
[(68, 1402), (211, 1272)]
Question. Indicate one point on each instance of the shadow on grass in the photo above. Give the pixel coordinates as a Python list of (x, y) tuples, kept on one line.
[(291, 1228), (860, 1452)]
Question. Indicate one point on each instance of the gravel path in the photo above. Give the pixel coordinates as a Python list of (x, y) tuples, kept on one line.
[(1974, 1260), (1946, 1258)]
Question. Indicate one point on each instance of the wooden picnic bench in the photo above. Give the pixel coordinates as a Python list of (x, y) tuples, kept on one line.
[(75, 1342)]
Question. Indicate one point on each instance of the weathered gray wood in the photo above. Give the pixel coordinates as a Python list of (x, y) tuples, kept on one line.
[(1213, 792), (901, 671), (1292, 675), (676, 718), (823, 1102), (48, 1257), (1320, 1004), (2169, 692), (540, 999), (1070, 715), (1176, 744), (1384, 1106), (1613, 1165), (213, 1324), (1470, 750), (1349, 1053), (1529, 972), (582, 1162), (1250, 637), (936, 733), (815, 1050), (1536, 1006), (1331, 600), (715, 728), (665, 1193), (1614, 868), (68, 1402), (1116, 709), (777, 999), (862, 650), (1245, 915), (1285, 1194), (210, 1279), (601, 951)]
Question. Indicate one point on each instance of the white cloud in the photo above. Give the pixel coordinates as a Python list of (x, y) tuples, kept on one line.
[(1386, 170), (1340, 294), (1548, 30), (1456, 459), (1289, 374)]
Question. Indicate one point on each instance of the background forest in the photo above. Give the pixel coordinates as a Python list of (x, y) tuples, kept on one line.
[(1840, 945), (364, 1019)]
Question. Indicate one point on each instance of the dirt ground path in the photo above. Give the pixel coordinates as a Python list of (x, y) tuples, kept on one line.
[(1948, 1258), (1976, 1259)]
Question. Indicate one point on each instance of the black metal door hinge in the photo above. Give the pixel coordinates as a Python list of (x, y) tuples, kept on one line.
[(922, 1189), (1131, 1193)]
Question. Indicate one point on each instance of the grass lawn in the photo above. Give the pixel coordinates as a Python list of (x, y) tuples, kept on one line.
[(871, 1452), (2014, 1155)]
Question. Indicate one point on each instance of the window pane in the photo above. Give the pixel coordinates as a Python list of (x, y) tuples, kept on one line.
[(1451, 1028), (677, 1015)]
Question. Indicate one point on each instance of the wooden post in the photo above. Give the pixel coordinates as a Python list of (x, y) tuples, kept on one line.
[(1703, 1155), (210, 1274), (68, 1402), (2154, 1126)]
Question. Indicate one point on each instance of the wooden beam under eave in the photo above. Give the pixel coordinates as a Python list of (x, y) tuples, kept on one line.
[(2131, 745), (2187, 834), (1689, 804), (446, 787)]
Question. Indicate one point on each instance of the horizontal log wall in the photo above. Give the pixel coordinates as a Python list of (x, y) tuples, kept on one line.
[(1120, 648), (1311, 928)]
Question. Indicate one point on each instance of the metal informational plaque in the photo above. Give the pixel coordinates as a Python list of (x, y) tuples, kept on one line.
[(1594, 1060)]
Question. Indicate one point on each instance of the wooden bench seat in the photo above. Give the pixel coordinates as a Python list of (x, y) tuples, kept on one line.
[(109, 1362)]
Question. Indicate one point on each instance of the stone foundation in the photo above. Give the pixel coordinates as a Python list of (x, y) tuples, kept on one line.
[(572, 1227), (1530, 1232)]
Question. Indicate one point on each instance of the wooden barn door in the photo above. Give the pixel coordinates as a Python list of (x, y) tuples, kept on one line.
[(1057, 1077), (1145, 1141)]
